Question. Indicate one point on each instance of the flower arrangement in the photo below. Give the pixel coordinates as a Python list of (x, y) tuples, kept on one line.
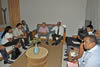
[(36, 40)]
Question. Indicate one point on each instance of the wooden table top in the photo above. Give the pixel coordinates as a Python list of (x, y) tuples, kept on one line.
[(42, 53)]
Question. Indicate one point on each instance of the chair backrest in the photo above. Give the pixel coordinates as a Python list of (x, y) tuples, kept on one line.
[(1, 32), (50, 26), (0, 36)]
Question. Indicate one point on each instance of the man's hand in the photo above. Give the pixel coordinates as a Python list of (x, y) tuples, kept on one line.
[(75, 62), (10, 39), (18, 46), (43, 33), (20, 36), (24, 36)]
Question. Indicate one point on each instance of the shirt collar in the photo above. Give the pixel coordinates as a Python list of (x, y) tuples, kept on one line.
[(90, 33), (94, 48)]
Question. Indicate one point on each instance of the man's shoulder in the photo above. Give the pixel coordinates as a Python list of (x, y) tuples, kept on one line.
[(97, 51), (6, 34)]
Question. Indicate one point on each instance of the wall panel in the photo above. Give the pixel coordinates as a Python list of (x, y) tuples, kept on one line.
[(14, 12)]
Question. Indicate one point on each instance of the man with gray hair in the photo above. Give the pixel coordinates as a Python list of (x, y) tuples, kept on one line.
[(90, 58), (59, 32)]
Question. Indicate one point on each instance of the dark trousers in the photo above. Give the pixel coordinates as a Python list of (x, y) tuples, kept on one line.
[(26, 41), (59, 38), (13, 42), (29, 36), (4, 54), (23, 42)]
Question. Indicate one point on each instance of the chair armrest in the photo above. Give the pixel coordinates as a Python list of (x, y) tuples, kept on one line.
[(64, 37), (97, 33), (34, 32), (75, 36)]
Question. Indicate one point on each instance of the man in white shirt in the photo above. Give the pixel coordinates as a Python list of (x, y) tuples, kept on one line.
[(5, 38), (18, 34), (91, 58), (26, 30), (59, 31)]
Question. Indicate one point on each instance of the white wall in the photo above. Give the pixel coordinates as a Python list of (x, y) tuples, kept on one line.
[(70, 12), (98, 15), (92, 12)]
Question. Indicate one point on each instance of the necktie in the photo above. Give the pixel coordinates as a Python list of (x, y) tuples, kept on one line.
[(58, 31)]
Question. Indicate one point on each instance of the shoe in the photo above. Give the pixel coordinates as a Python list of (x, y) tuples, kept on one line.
[(66, 59), (56, 43), (53, 43), (38, 42), (24, 48), (65, 51), (28, 45), (47, 43), (66, 55), (8, 62)]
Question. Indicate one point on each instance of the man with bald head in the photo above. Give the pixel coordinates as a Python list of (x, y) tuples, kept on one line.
[(44, 31), (59, 31)]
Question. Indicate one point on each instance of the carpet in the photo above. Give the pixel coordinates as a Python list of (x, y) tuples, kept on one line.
[(54, 57)]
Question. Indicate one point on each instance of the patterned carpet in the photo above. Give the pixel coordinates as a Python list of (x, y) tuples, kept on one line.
[(54, 57)]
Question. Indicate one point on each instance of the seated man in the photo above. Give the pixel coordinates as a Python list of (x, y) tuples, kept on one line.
[(44, 31), (82, 34), (89, 53), (59, 31), (26, 30), (90, 58), (5, 55), (7, 40), (18, 34)]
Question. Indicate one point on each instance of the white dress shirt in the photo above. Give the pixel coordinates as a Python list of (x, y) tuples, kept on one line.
[(17, 32), (61, 30), (90, 58), (90, 33), (5, 38)]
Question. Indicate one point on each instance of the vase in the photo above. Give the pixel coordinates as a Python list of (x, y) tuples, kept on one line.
[(36, 49)]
